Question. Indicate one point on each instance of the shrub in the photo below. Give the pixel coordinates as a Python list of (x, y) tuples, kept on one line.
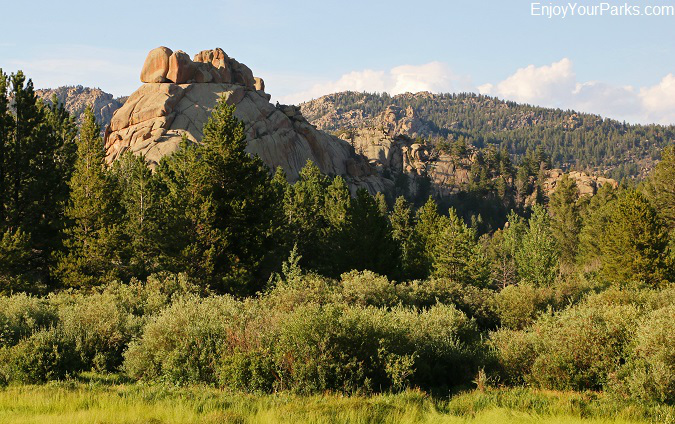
[(650, 374), (181, 345), (22, 315), (39, 358), (518, 306), (98, 325)]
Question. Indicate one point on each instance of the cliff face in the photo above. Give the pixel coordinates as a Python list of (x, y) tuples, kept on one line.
[(158, 115)]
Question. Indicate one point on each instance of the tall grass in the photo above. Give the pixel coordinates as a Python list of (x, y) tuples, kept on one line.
[(112, 402)]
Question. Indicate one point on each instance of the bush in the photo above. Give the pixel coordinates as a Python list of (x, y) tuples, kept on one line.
[(98, 325), (518, 306), (650, 374), (575, 349), (22, 315), (182, 344), (39, 358)]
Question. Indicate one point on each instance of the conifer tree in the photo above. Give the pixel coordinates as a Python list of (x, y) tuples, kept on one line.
[(457, 255), (537, 256), (139, 200), (369, 242), (226, 207), (634, 243), (304, 211), (428, 225), (565, 219), (93, 238), (660, 187)]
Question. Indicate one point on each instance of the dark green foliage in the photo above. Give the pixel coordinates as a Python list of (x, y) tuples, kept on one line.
[(565, 219), (634, 242), (36, 158), (94, 238), (139, 198), (457, 255), (222, 210), (537, 256)]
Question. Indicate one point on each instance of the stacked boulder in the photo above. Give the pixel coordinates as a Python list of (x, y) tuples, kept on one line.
[(214, 66)]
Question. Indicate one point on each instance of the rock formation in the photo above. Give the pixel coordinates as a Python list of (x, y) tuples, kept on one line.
[(177, 99), (76, 99), (587, 184)]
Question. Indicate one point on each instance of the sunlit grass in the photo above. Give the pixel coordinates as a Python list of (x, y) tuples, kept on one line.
[(111, 400)]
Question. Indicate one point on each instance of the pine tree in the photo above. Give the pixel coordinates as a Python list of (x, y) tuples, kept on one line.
[(537, 256), (634, 243), (369, 243), (457, 255), (304, 211), (660, 187), (36, 159), (139, 201), (565, 219), (229, 219), (428, 225), (93, 239)]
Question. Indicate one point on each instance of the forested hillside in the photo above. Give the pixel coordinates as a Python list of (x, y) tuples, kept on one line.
[(573, 140), (214, 270)]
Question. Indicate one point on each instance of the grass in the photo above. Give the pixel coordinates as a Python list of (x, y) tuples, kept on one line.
[(111, 400)]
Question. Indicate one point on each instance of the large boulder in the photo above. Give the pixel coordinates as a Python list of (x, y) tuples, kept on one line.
[(181, 68), (156, 65)]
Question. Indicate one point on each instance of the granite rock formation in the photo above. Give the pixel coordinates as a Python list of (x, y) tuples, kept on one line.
[(158, 115)]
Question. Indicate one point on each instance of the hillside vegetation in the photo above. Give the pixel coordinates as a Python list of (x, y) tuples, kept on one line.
[(573, 140)]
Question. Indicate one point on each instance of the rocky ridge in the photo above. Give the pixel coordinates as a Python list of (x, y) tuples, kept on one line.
[(76, 99)]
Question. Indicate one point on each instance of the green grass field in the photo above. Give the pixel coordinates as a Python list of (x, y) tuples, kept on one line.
[(111, 401)]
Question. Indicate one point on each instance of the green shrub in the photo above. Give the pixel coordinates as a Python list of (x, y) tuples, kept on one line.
[(650, 374), (42, 357), (516, 351), (183, 343), (98, 325), (518, 306), (253, 372), (22, 315)]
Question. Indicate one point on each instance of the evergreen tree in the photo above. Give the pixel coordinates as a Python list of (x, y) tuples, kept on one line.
[(660, 187), (537, 256), (93, 239), (228, 223), (369, 243), (457, 255), (565, 219), (402, 227), (634, 243), (139, 200), (428, 225), (36, 159)]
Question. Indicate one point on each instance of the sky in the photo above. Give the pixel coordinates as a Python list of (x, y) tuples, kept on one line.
[(613, 62)]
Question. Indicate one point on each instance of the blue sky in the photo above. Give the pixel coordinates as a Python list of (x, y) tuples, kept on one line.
[(618, 66)]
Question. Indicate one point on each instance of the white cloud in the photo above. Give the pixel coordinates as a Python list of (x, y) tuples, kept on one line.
[(531, 84), (554, 85), (557, 85), (433, 76), (659, 101)]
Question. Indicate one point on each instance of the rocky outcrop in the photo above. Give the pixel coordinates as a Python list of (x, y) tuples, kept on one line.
[(76, 99), (156, 117), (587, 184)]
